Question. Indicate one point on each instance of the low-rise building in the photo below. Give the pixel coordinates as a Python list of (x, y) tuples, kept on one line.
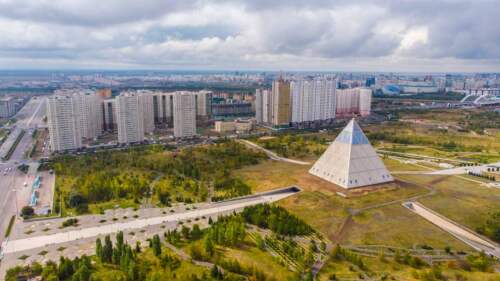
[(238, 126)]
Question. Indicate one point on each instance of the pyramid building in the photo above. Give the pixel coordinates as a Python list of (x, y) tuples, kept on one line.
[(350, 161)]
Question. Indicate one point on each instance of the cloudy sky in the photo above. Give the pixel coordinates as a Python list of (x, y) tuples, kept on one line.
[(346, 35)]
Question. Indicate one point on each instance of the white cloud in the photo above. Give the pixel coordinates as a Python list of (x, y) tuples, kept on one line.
[(247, 34), (413, 37)]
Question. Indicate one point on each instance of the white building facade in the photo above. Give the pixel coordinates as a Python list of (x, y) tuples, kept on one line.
[(146, 100), (353, 101), (184, 110), (63, 123), (313, 100), (130, 118), (7, 107), (90, 113)]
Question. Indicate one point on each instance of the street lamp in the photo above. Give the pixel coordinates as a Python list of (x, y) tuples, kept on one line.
[(15, 199)]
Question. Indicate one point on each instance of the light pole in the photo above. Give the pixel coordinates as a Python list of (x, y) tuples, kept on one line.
[(15, 199)]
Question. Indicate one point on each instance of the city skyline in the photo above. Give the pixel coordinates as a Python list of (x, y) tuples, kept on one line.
[(389, 36)]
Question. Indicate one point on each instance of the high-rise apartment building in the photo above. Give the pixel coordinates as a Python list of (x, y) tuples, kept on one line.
[(258, 105), (63, 123), (130, 117), (90, 113), (203, 103), (109, 111), (365, 101), (267, 108), (281, 103), (162, 108), (184, 109), (353, 101), (146, 100), (313, 100), (7, 107)]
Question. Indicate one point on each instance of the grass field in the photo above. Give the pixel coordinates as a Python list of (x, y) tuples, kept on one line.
[(464, 201), (390, 225), (248, 255), (395, 226), (392, 270)]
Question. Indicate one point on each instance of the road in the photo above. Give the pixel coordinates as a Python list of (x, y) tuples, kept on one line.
[(12, 191), (272, 155), (460, 232), (25, 244)]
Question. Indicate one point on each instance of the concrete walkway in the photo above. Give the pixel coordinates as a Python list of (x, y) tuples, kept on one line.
[(24, 244), (460, 232), (465, 170), (272, 155)]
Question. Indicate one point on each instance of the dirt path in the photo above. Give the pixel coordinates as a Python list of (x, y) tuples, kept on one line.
[(272, 155)]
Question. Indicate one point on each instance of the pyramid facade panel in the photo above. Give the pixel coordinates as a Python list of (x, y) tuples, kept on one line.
[(350, 161)]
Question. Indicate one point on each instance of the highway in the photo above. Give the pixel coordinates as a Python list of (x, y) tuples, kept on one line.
[(11, 179)]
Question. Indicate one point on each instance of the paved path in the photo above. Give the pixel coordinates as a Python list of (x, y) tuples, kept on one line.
[(465, 170), (460, 232), (271, 154), (411, 155), (214, 209)]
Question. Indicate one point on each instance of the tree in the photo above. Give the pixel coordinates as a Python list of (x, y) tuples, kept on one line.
[(196, 233), (185, 232), (156, 245), (82, 274), (216, 273), (138, 246), (65, 268), (76, 199), (209, 246), (107, 252), (98, 249), (119, 242), (27, 212), (337, 252)]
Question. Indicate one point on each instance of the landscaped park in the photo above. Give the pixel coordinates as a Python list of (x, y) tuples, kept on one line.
[(324, 231)]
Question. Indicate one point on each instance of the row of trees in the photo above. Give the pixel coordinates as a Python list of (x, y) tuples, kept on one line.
[(340, 253), (479, 175), (227, 231), (277, 219), (79, 269), (120, 254)]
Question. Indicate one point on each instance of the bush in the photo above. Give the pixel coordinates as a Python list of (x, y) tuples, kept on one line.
[(70, 222), (27, 212)]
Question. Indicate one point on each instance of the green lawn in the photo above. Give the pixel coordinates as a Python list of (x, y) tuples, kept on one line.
[(463, 201), (392, 270), (396, 226)]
